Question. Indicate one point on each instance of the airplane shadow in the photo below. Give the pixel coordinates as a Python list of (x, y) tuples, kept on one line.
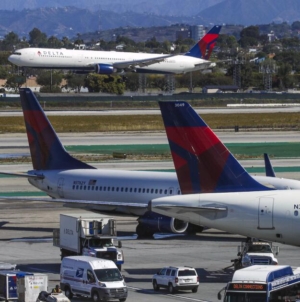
[(207, 236), (145, 275), (2, 223), (52, 268), (31, 229)]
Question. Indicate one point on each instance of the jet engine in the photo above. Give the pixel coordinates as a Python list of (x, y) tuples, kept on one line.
[(104, 69), (151, 223)]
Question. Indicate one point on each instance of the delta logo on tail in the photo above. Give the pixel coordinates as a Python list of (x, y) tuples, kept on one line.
[(203, 164), (205, 46), (46, 150)]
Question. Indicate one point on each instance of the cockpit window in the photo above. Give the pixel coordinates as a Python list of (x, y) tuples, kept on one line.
[(16, 53)]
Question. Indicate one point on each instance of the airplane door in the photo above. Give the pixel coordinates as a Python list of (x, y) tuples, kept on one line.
[(265, 213), (60, 187)]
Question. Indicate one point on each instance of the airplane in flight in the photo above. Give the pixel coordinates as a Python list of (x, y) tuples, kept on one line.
[(267, 214), (110, 62), (70, 181)]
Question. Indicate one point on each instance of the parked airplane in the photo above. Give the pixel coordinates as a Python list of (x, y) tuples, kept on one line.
[(109, 62), (73, 182), (266, 214), (202, 162)]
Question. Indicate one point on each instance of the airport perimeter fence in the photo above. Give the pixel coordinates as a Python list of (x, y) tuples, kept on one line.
[(201, 99)]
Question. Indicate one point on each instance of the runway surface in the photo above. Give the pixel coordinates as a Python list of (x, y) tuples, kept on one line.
[(26, 239)]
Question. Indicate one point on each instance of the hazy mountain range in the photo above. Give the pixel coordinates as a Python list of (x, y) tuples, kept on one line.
[(69, 17), (158, 7)]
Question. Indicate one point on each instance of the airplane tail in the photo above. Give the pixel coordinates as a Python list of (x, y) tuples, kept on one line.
[(47, 152), (268, 166), (203, 164), (205, 46)]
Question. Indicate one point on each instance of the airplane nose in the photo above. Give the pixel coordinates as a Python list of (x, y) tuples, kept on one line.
[(12, 59)]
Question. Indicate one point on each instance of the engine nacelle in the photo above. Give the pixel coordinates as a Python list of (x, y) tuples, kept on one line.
[(104, 69), (151, 223)]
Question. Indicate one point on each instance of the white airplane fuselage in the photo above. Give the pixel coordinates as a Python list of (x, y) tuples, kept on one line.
[(122, 186), (135, 187), (268, 215), (87, 59)]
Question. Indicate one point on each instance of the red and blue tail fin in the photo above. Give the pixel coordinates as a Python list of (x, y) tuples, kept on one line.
[(205, 46), (268, 166), (47, 152), (203, 164)]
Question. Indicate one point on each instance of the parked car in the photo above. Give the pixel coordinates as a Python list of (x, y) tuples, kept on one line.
[(176, 278)]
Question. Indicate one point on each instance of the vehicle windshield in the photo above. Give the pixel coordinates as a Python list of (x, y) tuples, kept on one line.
[(259, 249), (186, 272), (100, 242), (108, 274), (245, 297)]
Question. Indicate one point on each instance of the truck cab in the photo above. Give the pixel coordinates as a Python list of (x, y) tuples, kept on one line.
[(256, 253), (103, 248)]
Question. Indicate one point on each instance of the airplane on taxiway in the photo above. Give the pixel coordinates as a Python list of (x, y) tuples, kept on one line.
[(109, 62), (264, 213), (70, 181)]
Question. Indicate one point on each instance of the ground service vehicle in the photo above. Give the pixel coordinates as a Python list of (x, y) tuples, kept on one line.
[(176, 278), (256, 253), (95, 278), (88, 234), (263, 283), (8, 285)]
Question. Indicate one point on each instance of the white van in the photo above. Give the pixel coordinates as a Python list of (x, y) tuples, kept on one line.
[(96, 278)]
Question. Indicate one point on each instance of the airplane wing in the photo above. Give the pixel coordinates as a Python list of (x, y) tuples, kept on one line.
[(76, 201), (183, 209), (141, 63), (206, 65)]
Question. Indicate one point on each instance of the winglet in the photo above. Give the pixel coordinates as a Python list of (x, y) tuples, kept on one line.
[(47, 152), (202, 162), (204, 47), (268, 166)]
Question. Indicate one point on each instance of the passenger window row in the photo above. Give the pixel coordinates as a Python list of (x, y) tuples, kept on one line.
[(124, 189), (117, 59), (65, 57)]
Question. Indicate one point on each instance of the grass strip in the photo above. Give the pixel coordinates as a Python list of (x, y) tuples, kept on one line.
[(279, 120), (240, 150)]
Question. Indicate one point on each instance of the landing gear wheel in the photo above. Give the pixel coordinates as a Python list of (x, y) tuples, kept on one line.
[(122, 300), (195, 289), (155, 286), (68, 292), (171, 288)]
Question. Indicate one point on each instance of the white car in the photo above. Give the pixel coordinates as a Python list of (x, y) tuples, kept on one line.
[(176, 278)]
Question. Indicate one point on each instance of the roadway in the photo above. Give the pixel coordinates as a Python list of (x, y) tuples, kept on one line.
[(19, 140)]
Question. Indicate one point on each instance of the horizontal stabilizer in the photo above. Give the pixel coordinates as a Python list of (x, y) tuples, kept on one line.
[(23, 175)]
